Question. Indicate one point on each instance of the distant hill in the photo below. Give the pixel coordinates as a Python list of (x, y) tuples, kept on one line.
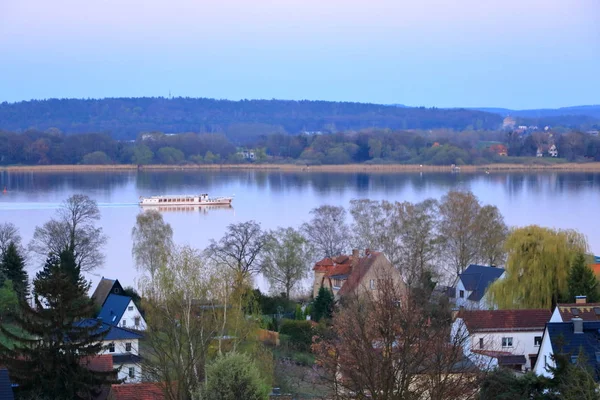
[(125, 118), (591, 111)]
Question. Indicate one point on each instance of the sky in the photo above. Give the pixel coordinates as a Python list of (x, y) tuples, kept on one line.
[(446, 53)]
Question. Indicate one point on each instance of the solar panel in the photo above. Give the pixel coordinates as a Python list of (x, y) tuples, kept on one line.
[(575, 311)]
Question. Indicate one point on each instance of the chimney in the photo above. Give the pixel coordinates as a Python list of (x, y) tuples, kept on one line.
[(577, 325), (355, 253), (580, 299)]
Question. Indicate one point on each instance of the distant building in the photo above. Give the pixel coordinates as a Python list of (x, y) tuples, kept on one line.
[(247, 154), (104, 289), (499, 149), (509, 123), (553, 151), (523, 127), (470, 290), (539, 153), (122, 311)]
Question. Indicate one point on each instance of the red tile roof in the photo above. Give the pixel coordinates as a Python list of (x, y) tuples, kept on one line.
[(584, 311), (100, 363), (137, 391), (505, 320), (340, 265)]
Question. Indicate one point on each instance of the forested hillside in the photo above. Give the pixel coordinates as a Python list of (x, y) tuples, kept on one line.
[(125, 118)]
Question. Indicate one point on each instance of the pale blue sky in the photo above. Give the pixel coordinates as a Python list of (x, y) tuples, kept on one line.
[(511, 53)]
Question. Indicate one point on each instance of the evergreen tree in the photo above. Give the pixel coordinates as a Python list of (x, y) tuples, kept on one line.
[(582, 281), (12, 267), (323, 305), (56, 336)]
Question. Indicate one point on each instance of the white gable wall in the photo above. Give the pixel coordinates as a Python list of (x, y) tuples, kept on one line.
[(522, 343), (121, 347), (124, 372), (544, 357), (556, 317), (128, 318)]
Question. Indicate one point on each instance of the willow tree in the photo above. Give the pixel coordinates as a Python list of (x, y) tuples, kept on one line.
[(152, 241), (537, 267)]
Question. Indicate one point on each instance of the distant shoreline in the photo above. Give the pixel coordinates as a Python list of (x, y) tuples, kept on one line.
[(573, 167)]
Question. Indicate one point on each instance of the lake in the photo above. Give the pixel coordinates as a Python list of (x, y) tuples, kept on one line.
[(553, 199)]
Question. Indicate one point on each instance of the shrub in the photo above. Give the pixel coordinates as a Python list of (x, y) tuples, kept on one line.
[(300, 333), (234, 376)]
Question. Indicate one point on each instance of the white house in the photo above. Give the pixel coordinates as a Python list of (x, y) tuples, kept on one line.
[(123, 345), (471, 286), (509, 338), (569, 339), (121, 311)]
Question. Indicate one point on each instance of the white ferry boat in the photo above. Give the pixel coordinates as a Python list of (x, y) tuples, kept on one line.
[(185, 200)]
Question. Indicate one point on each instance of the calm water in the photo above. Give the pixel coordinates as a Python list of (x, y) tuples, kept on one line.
[(561, 200)]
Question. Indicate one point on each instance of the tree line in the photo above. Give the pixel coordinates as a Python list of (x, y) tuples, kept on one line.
[(436, 147)]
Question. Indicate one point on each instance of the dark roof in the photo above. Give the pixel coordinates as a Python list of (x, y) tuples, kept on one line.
[(512, 360), (565, 341), (126, 359), (104, 288), (113, 309), (6, 392), (114, 332), (99, 363), (477, 278), (586, 311), (505, 320)]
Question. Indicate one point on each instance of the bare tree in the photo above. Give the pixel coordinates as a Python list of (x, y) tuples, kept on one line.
[(152, 241), (419, 240), (72, 230), (327, 231), (240, 249), (387, 344), (459, 229), (9, 233), (493, 234), (287, 259), (368, 218)]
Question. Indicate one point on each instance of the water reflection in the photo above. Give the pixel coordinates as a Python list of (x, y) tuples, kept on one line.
[(190, 208)]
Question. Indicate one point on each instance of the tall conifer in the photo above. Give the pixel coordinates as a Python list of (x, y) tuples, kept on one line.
[(12, 267), (56, 336)]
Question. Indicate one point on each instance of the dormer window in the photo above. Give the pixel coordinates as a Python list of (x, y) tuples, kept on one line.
[(130, 308)]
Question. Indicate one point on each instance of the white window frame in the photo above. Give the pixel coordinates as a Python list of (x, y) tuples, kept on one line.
[(131, 373), (507, 342), (372, 284)]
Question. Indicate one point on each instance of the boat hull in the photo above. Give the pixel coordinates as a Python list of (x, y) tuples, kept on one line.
[(199, 200), (219, 202)]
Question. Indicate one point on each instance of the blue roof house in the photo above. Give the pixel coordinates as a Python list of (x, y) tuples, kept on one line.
[(121, 311), (472, 284), (123, 345), (571, 339), (6, 391)]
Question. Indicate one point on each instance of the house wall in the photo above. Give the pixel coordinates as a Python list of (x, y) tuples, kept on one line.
[(523, 342), (124, 372), (129, 316), (556, 317), (459, 330), (462, 301), (544, 357), (381, 269), (120, 346)]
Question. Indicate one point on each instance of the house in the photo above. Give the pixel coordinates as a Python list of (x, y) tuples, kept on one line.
[(580, 309), (106, 287), (6, 390), (123, 345), (570, 338), (247, 154), (540, 152), (137, 391), (346, 274), (101, 363), (553, 151), (472, 284), (122, 311), (499, 149), (509, 338)]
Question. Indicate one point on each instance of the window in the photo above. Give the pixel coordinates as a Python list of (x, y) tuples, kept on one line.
[(111, 347), (117, 290), (481, 343), (537, 341), (545, 361), (124, 322), (131, 373), (136, 321), (573, 359), (507, 342), (130, 308), (127, 346), (372, 284), (461, 294)]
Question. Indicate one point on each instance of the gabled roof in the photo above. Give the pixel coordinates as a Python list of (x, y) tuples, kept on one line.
[(104, 288), (340, 265), (99, 363), (6, 392), (585, 311), (360, 269), (113, 309), (505, 320), (477, 278), (114, 332), (137, 391), (565, 341)]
